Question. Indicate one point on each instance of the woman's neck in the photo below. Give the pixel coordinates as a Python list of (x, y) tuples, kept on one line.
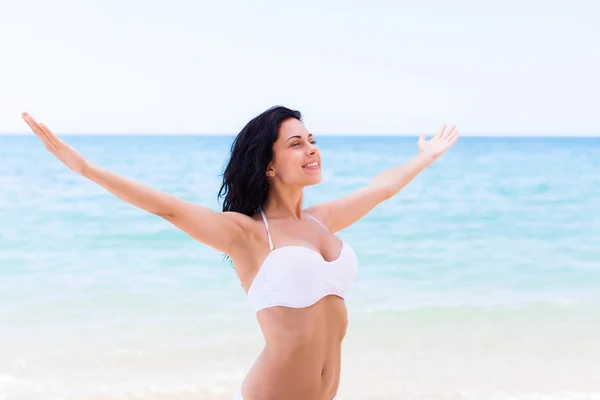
[(284, 202)]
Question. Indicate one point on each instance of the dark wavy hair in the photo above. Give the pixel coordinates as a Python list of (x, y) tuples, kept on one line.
[(245, 186)]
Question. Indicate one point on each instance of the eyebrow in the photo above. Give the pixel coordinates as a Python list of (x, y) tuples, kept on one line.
[(297, 137)]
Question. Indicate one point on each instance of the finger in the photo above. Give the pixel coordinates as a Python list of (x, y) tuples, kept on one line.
[(51, 138), (29, 121), (452, 135), (452, 141), (441, 131), (37, 129), (448, 132), (422, 137), (34, 126), (48, 134)]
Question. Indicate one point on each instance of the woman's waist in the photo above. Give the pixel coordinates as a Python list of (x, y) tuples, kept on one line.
[(299, 349), (299, 372)]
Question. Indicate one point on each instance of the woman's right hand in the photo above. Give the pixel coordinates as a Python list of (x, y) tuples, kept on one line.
[(61, 150)]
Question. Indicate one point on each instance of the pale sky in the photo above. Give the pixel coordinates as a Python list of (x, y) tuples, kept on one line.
[(351, 67)]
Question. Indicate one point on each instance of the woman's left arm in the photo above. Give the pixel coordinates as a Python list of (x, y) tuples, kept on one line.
[(341, 213)]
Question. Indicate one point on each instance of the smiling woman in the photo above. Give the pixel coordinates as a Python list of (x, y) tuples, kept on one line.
[(295, 271)]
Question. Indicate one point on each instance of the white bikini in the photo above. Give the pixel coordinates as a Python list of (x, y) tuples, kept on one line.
[(298, 276)]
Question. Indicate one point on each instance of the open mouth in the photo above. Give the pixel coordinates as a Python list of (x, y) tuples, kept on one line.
[(311, 165)]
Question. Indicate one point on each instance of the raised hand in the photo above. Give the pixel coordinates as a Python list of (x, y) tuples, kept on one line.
[(440, 143), (61, 150)]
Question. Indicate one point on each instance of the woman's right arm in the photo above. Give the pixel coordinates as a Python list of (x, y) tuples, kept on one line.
[(220, 230)]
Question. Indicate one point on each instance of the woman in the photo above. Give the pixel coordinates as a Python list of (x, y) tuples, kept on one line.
[(293, 268)]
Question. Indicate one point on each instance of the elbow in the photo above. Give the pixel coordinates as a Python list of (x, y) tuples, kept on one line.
[(383, 192), (169, 215), (169, 208), (388, 193), (166, 215)]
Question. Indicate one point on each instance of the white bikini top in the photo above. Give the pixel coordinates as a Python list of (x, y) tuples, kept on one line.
[(298, 277)]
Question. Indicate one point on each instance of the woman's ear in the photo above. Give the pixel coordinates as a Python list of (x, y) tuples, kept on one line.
[(270, 170)]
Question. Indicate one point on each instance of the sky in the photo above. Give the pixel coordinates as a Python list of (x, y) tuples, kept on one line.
[(351, 67)]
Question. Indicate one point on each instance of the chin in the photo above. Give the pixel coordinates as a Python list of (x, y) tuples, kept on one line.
[(314, 181)]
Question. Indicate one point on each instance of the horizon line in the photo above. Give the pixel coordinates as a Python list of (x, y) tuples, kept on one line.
[(403, 135)]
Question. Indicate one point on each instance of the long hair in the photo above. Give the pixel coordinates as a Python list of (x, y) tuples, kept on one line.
[(245, 186)]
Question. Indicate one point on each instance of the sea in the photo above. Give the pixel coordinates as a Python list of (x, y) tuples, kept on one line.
[(479, 280)]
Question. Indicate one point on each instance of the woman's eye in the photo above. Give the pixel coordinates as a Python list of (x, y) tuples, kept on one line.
[(298, 143)]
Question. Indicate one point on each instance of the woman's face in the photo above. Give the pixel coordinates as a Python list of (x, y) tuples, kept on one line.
[(297, 160)]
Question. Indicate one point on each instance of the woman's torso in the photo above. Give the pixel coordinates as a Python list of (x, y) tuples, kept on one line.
[(302, 354), (296, 280)]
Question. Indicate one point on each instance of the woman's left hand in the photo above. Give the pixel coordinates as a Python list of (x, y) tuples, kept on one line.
[(440, 143)]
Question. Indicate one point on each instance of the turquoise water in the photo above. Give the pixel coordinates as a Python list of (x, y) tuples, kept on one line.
[(496, 246)]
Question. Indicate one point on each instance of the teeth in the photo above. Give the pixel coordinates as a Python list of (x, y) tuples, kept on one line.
[(312, 164)]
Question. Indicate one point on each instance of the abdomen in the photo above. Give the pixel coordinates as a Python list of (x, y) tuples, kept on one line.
[(301, 359)]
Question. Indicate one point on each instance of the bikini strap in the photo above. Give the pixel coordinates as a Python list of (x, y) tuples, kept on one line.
[(318, 222), (264, 217)]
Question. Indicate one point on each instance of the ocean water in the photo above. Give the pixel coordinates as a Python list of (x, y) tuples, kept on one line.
[(480, 280)]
